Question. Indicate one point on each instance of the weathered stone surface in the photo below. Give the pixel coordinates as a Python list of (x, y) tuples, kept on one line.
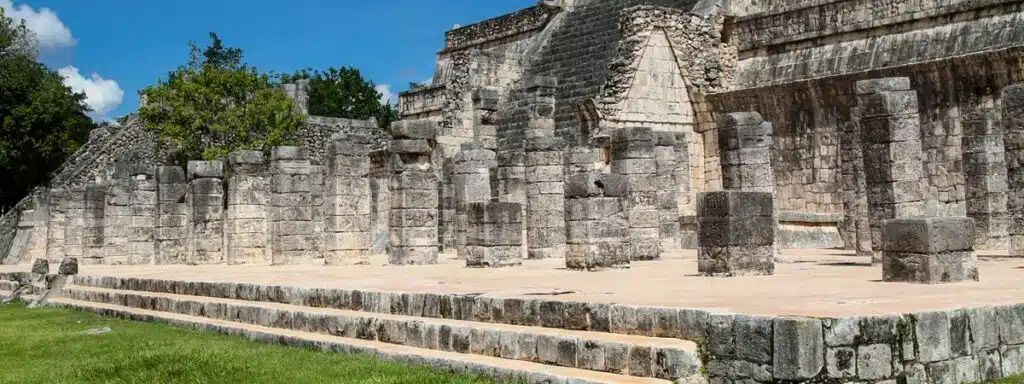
[(799, 350), (736, 233), (68, 266), (929, 250), (40, 267)]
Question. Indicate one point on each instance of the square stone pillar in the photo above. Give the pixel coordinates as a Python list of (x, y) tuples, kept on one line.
[(891, 140), (857, 221), (485, 116), (666, 159), (984, 159), (381, 170), (633, 158), (171, 226), (291, 208), (117, 218), (494, 234), (474, 167), (92, 233), (597, 221), (36, 248), (545, 200), (736, 231), (205, 201), (929, 250), (348, 229), (247, 196), (414, 197), (1013, 142), (141, 231), (745, 149), (75, 219)]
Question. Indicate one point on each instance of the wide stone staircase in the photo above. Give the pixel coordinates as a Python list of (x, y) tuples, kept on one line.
[(507, 339)]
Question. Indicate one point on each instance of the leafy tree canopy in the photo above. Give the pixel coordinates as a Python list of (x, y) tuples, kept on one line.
[(344, 93), (217, 104), (42, 122)]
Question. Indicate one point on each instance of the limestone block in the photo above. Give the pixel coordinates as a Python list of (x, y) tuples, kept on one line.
[(736, 233), (68, 266), (205, 169), (414, 129), (929, 250), (799, 351)]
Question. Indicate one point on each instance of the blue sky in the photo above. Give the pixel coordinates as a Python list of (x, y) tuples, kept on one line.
[(112, 48)]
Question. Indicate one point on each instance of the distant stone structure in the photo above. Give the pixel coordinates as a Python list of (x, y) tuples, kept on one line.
[(852, 128)]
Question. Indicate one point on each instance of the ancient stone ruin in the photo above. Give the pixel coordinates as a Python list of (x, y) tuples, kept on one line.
[(596, 143)]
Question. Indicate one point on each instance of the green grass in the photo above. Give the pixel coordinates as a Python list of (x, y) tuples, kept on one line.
[(1009, 380), (46, 345)]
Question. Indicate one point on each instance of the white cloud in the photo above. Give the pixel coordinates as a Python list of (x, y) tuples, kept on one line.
[(51, 32), (102, 95), (386, 96)]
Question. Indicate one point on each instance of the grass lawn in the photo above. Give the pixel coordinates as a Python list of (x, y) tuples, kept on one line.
[(48, 345)]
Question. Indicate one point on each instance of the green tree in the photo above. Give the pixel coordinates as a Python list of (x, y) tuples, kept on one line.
[(217, 104), (42, 122), (344, 93)]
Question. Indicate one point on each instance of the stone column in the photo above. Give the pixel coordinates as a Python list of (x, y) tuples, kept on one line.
[(317, 194), (92, 232), (633, 158), (985, 173), (485, 116), (545, 199), (205, 201), (494, 234), (666, 159), (891, 142), (291, 208), (736, 232), (931, 250), (117, 217), (744, 142), (246, 227), (597, 224), (173, 216), (143, 200), (414, 197), (473, 170), (41, 218), (381, 162), (857, 221), (75, 222), (1013, 129), (349, 220)]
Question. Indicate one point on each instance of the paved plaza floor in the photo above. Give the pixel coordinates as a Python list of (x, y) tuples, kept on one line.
[(807, 283)]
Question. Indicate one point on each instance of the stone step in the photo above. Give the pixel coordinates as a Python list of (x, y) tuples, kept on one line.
[(639, 356), (497, 368), (680, 323)]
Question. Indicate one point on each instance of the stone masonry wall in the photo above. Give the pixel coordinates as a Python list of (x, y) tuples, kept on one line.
[(861, 35), (807, 116)]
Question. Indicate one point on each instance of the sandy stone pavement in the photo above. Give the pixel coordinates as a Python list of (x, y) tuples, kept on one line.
[(821, 283)]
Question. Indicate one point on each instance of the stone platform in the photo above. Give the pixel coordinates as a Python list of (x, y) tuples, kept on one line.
[(824, 317), (812, 283)]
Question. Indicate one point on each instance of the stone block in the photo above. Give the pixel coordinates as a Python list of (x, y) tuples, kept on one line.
[(799, 350), (929, 235), (414, 129), (288, 153), (756, 334), (874, 362), (889, 84), (205, 169), (841, 362), (950, 267)]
